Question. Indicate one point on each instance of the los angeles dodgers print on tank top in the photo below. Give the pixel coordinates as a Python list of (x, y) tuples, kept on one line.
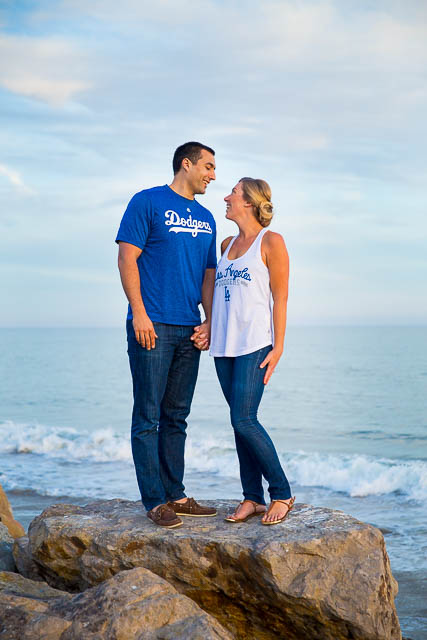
[(242, 310)]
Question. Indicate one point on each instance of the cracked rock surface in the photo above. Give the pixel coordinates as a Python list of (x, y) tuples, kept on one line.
[(321, 574), (133, 605)]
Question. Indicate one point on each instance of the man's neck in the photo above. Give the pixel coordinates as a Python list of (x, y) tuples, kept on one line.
[(181, 187)]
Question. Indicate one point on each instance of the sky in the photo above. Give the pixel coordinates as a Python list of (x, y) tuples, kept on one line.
[(325, 100)]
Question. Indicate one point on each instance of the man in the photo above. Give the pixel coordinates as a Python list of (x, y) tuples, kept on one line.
[(167, 260)]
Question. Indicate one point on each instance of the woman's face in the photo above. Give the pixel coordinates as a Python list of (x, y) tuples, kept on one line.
[(235, 203)]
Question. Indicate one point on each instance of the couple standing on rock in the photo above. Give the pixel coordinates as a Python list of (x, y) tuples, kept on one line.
[(167, 262)]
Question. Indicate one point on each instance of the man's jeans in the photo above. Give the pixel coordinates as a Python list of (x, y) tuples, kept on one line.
[(242, 382), (163, 385)]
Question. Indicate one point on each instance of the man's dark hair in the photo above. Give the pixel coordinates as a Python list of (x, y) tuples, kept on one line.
[(190, 150)]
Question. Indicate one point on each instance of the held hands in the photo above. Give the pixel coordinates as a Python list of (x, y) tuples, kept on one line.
[(271, 360), (201, 336), (144, 331)]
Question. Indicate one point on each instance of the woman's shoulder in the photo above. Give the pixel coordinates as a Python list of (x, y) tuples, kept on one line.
[(273, 240), (225, 243), (273, 248)]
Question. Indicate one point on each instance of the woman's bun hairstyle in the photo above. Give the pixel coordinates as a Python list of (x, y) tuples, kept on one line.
[(258, 193)]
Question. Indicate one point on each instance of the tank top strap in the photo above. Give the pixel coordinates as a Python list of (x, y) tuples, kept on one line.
[(256, 247)]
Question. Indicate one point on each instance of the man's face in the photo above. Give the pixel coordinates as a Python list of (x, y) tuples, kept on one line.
[(202, 172)]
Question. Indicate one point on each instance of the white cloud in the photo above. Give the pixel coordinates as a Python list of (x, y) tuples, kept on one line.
[(49, 69), (15, 179), (282, 33), (325, 100)]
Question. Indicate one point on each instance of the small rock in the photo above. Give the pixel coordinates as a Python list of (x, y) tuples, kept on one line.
[(25, 564), (20, 586), (7, 563)]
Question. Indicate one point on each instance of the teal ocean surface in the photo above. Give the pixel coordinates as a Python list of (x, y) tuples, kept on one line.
[(346, 409)]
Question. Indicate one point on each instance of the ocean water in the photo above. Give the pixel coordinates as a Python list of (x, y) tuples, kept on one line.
[(346, 409)]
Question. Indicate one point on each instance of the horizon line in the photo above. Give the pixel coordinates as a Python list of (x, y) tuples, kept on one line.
[(289, 326)]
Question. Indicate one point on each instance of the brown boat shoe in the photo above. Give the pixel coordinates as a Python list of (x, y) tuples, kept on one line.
[(164, 516), (191, 508)]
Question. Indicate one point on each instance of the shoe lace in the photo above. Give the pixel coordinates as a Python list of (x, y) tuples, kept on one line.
[(162, 509)]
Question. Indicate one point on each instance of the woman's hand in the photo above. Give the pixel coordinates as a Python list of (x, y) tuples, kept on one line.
[(271, 359), (201, 336)]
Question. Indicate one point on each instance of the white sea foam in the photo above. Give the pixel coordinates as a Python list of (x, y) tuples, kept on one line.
[(354, 475), (66, 443), (359, 475)]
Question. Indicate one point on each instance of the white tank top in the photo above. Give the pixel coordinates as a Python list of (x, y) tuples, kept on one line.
[(241, 311)]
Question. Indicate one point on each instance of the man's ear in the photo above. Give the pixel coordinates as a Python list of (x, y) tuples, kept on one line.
[(186, 164)]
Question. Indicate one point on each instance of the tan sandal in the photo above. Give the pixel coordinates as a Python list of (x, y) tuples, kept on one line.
[(290, 506), (254, 513)]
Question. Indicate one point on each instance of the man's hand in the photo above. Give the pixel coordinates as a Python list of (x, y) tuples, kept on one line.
[(144, 331), (271, 359), (202, 335)]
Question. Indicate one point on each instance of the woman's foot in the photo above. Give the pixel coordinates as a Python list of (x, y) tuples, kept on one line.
[(277, 511), (246, 509)]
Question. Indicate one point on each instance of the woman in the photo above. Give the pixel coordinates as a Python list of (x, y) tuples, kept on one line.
[(247, 341)]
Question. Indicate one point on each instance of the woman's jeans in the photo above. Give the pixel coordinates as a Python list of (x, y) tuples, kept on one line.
[(242, 382), (164, 379)]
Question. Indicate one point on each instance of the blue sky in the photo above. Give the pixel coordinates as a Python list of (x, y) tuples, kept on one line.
[(327, 101)]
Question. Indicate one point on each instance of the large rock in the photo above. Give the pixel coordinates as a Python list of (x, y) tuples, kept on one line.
[(133, 605), (7, 563), (16, 530), (321, 574)]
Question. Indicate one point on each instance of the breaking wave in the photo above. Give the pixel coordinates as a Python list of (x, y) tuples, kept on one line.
[(353, 474)]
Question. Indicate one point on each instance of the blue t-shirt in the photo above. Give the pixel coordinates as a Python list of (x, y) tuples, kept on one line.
[(178, 241)]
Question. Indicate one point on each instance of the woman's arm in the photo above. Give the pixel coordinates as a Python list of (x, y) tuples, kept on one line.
[(276, 258)]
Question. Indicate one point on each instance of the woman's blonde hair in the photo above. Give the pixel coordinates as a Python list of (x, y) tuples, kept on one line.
[(258, 193)]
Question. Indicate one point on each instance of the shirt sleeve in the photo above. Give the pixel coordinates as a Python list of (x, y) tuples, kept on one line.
[(211, 262), (136, 222)]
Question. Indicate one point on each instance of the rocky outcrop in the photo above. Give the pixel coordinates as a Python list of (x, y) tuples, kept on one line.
[(133, 605), (16, 530), (7, 562), (320, 575)]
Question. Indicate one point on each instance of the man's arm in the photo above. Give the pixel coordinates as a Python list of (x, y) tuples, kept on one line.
[(202, 333), (207, 293), (129, 274)]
